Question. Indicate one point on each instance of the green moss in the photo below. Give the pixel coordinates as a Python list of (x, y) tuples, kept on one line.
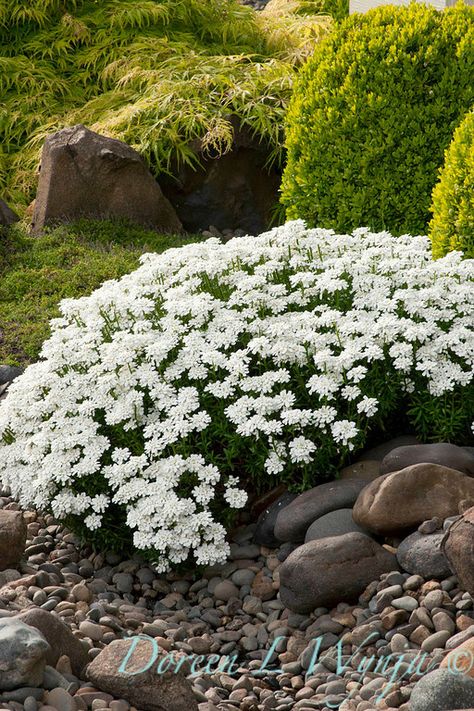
[(157, 74), (371, 115), (452, 226), (67, 262)]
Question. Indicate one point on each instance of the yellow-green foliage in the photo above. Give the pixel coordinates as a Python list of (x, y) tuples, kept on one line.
[(452, 226), (372, 114), (157, 74)]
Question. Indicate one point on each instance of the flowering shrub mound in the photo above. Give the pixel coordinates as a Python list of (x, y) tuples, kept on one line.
[(372, 113), (217, 368)]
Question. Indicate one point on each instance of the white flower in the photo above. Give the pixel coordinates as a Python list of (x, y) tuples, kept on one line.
[(301, 450)]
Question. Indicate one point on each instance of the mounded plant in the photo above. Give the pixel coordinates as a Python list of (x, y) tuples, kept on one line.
[(213, 369), (372, 113), (157, 74), (452, 226)]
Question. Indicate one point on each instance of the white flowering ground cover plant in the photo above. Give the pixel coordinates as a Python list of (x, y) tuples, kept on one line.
[(212, 370)]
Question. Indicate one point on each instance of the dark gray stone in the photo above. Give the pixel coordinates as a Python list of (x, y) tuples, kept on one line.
[(295, 519), (84, 174), (264, 533), (441, 690), (7, 216), (442, 453), (381, 451), (23, 652), (9, 373), (334, 523), (421, 554), (325, 572)]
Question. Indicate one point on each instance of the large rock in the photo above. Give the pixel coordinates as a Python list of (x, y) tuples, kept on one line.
[(12, 538), (295, 519), (325, 572), (84, 174), (421, 554), (334, 523), (22, 655), (460, 660), (458, 547), (265, 532), (381, 450), (148, 690), (233, 191), (9, 373), (402, 500), (60, 638), (442, 453), (442, 690), (7, 216)]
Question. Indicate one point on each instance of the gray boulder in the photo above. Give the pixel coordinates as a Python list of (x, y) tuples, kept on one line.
[(325, 572), (84, 174), (264, 534), (442, 690), (7, 216), (22, 655), (295, 519), (380, 451), (334, 523), (441, 453), (421, 554), (9, 373)]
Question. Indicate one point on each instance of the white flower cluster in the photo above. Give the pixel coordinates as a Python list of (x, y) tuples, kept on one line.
[(145, 387)]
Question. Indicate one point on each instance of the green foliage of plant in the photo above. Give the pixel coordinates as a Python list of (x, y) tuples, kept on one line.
[(452, 226), (67, 262), (371, 115), (158, 74)]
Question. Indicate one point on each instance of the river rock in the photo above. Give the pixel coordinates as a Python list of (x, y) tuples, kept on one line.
[(368, 469), (381, 450), (403, 499), (60, 638), (295, 519), (84, 174), (334, 523), (328, 571), (147, 690), (441, 690), (264, 534), (12, 538), (9, 373), (421, 554), (23, 652), (7, 216), (460, 660), (458, 547), (442, 453)]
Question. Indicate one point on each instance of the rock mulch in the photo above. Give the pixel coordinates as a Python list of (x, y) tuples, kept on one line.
[(360, 617), (99, 601)]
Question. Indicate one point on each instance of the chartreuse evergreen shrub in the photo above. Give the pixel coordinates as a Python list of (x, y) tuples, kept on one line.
[(68, 261), (158, 74), (372, 113), (215, 369), (452, 226)]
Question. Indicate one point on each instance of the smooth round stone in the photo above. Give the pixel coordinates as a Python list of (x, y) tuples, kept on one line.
[(123, 582), (242, 577), (334, 523), (436, 640), (91, 630), (225, 590), (405, 603), (421, 554), (61, 700), (81, 592)]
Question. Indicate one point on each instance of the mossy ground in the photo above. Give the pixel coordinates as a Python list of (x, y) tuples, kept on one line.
[(66, 262)]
